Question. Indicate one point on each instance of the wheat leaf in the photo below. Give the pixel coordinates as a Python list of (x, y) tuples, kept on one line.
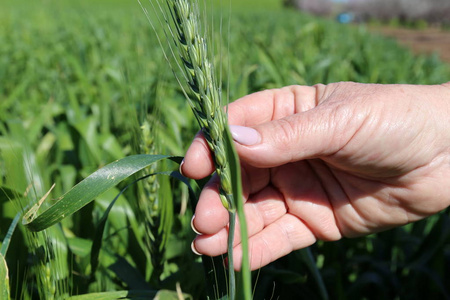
[(4, 279), (7, 239), (244, 287), (91, 187), (135, 295)]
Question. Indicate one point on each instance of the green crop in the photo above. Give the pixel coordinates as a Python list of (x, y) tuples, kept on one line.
[(79, 80)]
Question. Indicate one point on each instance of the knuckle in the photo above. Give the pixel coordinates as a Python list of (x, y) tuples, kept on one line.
[(286, 133)]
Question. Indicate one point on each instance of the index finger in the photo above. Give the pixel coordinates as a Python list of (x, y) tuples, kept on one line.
[(268, 105)]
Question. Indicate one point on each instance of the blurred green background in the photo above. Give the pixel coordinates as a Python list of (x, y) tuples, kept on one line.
[(79, 78)]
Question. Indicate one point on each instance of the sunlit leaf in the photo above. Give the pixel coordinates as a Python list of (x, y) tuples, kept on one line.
[(244, 287), (85, 191), (133, 295), (7, 239), (4, 279)]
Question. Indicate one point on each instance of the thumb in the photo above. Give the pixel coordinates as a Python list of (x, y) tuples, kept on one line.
[(304, 135)]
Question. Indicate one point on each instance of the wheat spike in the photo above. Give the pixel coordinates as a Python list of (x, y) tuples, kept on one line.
[(205, 96), (150, 205)]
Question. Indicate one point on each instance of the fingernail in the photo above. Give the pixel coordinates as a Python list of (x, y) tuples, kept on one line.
[(181, 166), (193, 227), (195, 250), (245, 135)]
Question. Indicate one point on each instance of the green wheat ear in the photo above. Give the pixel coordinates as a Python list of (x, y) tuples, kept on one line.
[(149, 204), (203, 90), (183, 27)]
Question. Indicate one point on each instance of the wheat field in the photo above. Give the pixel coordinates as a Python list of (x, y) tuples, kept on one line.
[(86, 95)]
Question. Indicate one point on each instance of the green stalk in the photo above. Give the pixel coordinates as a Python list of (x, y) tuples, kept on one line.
[(232, 277), (244, 286)]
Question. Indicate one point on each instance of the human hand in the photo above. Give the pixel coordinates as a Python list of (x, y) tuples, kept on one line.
[(326, 162)]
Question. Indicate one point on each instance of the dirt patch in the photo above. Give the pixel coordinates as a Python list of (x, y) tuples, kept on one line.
[(426, 41)]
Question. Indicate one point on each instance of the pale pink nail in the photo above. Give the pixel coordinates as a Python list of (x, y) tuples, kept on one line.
[(193, 227), (245, 135), (194, 250), (181, 166)]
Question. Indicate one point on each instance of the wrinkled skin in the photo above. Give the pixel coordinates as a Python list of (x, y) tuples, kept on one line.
[(333, 161)]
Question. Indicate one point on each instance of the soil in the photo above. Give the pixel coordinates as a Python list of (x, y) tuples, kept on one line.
[(431, 40)]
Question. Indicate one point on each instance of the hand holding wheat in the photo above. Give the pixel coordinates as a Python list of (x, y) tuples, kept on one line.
[(329, 161)]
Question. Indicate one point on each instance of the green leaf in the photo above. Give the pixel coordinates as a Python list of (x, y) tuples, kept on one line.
[(135, 295), (116, 295), (7, 240), (85, 191), (7, 194), (79, 246), (307, 257), (4, 279), (171, 295), (128, 274), (165, 209), (13, 162), (245, 283)]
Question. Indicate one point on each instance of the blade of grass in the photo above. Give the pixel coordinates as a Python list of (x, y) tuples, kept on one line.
[(116, 295), (85, 191), (128, 274), (231, 273), (307, 257), (7, 193), (7, 239), (4, 279), (244, 288), (135, 295)]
